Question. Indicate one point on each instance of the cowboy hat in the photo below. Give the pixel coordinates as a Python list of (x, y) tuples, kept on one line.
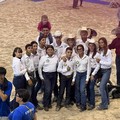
[(57, 33), (116, 31), (70, 36)]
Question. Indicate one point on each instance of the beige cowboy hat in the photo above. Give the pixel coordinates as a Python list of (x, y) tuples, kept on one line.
[(116, 31), (70, 36), (83, 29), (92, 40)]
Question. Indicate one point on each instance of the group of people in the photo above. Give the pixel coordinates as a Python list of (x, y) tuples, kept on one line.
[(54, 65)]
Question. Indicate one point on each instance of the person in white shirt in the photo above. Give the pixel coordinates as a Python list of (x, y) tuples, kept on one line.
[(41, 50), (84, 40), (48, 73), (58, 44), (105, 62), (66, 69), (83, 69), (28, 62), (38, 85), (95, 66), (20, 74)]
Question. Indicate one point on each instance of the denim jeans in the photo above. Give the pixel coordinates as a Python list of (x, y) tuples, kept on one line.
[(118, 69), (49, 84), (65, 83), (80, 85), (91, 90), (103, 87)]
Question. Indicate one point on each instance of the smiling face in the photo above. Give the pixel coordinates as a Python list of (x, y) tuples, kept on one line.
[(91, 47), (50, 51), (18, 54)]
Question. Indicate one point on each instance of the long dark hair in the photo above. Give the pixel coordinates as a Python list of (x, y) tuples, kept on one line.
[(95, 50), (15, 50), (106, 45)]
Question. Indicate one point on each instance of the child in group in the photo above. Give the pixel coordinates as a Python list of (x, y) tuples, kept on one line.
[(44, 21), (28, 62), (5, 92), (48, 74), (115, 44), (66, 69)]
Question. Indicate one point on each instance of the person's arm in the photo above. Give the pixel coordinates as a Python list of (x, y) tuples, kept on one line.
[(40, 67), (4, 94), (35, 117), (112, 45), (17, 115), (88, 70)]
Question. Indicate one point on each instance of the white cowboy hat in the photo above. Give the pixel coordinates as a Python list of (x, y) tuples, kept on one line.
[(57, 33), (91, 41)]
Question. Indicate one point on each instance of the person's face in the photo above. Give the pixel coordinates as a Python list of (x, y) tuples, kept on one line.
[(71, 42), (43, 42), (83, 35), (101, 43), (44, 21), (50, 51), (29, 50), (68, 53), (91, 47), (18, 54), (34, 47), (2, 77), (80, 50), (18, 99), (58, 39), (45, 31)]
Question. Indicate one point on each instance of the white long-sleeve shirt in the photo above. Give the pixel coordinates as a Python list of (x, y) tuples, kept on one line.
[(62, 67), (85, 44), (59, 49), (83, 65), (47, 64), (19, 68), (106, 60), (28, 63), (94, 64)]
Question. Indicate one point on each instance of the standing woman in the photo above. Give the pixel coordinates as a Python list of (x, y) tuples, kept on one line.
[(105, 65), (83, 70), (93, 54), (19, 70), (20, 74)]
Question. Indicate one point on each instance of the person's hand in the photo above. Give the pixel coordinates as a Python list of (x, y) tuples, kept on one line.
[(64, 58), (91, 77), (30, 83), (97, 60), (68, 68), (73, 82), (1, 92)]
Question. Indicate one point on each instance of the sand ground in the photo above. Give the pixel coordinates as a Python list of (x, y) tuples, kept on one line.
[(18, 26)]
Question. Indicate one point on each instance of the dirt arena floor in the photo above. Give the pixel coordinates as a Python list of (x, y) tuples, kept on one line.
[(18, 26)]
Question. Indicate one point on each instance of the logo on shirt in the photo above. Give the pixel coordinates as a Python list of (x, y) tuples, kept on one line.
[(47, 60)]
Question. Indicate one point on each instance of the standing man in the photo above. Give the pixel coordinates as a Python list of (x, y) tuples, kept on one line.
[(5, 92), (116, 45)]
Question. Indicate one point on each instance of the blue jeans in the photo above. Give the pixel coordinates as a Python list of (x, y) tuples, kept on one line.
[(80, 85), (103, 87), (49, 84), (118, 69), (91, 90)]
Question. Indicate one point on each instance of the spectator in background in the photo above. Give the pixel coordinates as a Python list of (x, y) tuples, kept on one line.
[(44, 21), (5, 92), (116, 45), (26, 110)]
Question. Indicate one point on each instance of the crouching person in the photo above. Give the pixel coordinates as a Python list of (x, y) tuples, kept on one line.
[(26, 110)]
